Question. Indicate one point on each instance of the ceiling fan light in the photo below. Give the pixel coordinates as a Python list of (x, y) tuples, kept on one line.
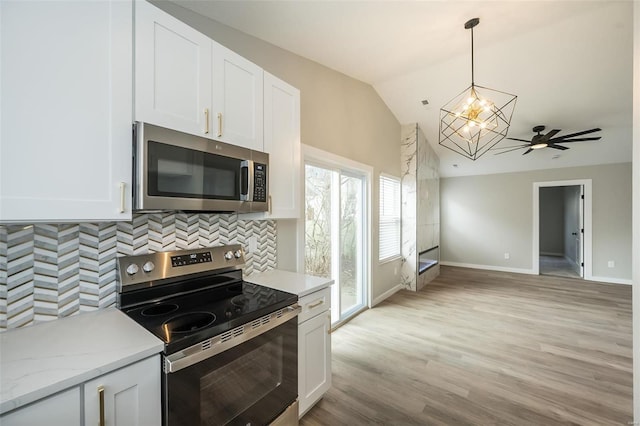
[(539, 145)]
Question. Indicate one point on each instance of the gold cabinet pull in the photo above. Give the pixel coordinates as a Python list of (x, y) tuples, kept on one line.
[(329, 328), (206, 121), (101, 398), (122, 196), (219, 124), (318, 303)]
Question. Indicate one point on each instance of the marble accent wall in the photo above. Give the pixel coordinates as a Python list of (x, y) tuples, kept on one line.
[(420, 204), (48, 271)]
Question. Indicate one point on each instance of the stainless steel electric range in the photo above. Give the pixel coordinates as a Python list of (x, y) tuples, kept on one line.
[(230, 347)]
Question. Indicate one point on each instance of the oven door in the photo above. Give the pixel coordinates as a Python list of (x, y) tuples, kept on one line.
[(249, 384)]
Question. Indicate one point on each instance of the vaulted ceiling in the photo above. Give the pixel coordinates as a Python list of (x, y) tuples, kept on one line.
[(569, 63)]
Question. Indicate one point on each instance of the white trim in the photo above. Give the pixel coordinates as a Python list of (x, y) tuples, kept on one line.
[(322, 158), (489, 267), (612, 280), (588, 198), (387, 294)]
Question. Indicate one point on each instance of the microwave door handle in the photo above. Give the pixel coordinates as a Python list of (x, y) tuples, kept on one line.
[(246, 180)]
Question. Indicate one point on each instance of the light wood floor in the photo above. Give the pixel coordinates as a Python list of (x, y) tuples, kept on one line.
[(485, 348)]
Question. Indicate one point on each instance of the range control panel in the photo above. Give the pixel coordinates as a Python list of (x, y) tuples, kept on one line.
[(146, 269), (191, 259)]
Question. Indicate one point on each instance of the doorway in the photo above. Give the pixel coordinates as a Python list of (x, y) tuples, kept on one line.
[(562, 228), (336, 230)]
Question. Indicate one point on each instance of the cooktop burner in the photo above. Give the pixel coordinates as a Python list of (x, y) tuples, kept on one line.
[(188, 322)]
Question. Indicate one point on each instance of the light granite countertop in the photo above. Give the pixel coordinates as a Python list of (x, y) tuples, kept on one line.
[(40, 360), (291, 282)]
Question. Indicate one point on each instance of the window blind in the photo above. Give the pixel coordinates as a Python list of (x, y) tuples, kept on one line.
[(389, 218)]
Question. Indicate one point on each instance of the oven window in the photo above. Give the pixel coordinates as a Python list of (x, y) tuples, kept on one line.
[(231, 390), (174, 171)]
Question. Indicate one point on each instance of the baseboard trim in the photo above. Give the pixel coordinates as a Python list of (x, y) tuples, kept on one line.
[(386, 295), (530, 272), (612, 280), (488, 267)]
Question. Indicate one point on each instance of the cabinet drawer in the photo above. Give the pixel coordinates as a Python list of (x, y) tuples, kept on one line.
[(314, 304)]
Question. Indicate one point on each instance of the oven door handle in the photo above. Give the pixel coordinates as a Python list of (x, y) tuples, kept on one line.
[(220, 343)]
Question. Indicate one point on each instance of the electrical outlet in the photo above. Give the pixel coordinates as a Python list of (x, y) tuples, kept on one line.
[(507, 256), (611, 264)]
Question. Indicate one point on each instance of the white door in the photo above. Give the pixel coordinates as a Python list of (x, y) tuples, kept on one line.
[(65, 148), (237, 99), (282, 143), (172, 73)]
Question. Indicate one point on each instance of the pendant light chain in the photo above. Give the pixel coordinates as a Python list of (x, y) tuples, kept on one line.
[(472, 76)]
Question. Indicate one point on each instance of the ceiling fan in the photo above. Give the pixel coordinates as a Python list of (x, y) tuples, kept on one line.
[(548, 140)]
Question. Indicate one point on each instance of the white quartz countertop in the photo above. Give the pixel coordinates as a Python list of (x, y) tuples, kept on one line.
[(291, 282), (39, 360)]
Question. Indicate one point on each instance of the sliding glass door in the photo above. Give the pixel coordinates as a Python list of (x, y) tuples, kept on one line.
[(335, 232)]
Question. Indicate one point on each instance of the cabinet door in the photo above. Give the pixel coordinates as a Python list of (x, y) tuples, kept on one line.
[(131, 396), (62, 409), (314, 360), (282, 142), (65, 138), (173, 72), (237, 99)]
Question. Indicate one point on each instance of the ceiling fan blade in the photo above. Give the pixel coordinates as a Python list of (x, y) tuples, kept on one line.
[(508, 147), (576, 140), (509, 150), (584, 132), (558, 147), (527, 151), (520, 140), (550, 134)]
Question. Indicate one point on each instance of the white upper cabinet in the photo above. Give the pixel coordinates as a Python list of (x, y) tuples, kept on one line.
[(185, 81), (172, 72), (65, 138), (282, 142), (237, 99)]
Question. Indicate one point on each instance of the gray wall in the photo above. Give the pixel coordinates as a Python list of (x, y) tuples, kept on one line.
[(482, 217), (552, 221), (339, 114)]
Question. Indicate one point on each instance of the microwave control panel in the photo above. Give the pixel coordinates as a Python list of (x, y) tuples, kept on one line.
[(259, 182)]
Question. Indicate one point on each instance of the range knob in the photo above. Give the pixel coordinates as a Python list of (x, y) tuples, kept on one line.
[(228, 255), (132, 269), (238, 254), (148, 266)]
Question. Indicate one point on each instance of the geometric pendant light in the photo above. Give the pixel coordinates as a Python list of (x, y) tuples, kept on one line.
[(476, 119)]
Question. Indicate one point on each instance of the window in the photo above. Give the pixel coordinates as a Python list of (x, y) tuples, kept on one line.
[(389, 218)]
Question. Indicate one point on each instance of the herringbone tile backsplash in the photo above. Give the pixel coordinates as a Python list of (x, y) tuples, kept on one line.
[(51, 271)]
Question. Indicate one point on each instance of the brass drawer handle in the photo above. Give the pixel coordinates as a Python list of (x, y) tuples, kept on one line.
[(101, 398), (206, 121), (313, 305)]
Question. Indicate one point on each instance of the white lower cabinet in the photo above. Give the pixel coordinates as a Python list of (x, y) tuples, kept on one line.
[(126, 397), (314, 349), (62, 409), (129, 396)]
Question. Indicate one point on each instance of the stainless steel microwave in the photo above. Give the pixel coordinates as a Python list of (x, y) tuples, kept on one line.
[(177, 171)]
